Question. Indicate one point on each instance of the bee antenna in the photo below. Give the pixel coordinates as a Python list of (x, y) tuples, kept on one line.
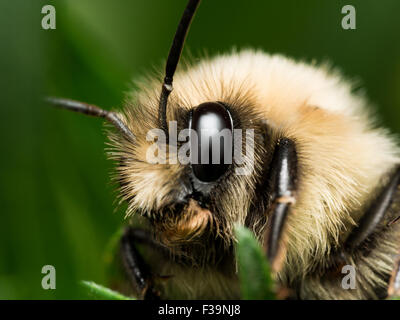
[(92, 110), (173, 59)]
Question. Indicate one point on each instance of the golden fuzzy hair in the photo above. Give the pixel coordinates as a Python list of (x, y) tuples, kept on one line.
[(344, 159)]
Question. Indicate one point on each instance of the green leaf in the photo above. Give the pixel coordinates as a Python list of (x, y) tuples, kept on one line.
[(254, 272), (99, 292)]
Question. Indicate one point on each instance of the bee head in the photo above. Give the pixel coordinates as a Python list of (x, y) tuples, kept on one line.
[(200, 179), (179, 171)]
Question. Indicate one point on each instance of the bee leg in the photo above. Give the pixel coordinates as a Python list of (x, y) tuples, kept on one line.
[(374, 215), (283, 177), (137, 269), (378, 219)]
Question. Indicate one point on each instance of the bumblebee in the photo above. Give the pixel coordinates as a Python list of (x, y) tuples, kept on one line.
[(322, 193)]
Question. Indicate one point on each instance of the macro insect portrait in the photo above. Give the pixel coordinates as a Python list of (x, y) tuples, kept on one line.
[(274, 121)]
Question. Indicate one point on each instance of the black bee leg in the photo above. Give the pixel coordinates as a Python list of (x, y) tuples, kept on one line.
[(375, 215), (137, 269), (282, 176), (379, 219)]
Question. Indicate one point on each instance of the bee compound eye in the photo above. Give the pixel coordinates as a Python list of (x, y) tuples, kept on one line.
[(212, 151)]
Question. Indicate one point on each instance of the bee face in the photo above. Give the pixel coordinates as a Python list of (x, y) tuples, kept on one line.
[(191, 200)]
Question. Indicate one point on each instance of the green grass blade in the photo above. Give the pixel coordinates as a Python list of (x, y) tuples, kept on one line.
[(254, 272), (99, 292)]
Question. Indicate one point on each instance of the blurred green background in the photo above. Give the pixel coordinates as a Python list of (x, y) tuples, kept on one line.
[(56, 201)]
